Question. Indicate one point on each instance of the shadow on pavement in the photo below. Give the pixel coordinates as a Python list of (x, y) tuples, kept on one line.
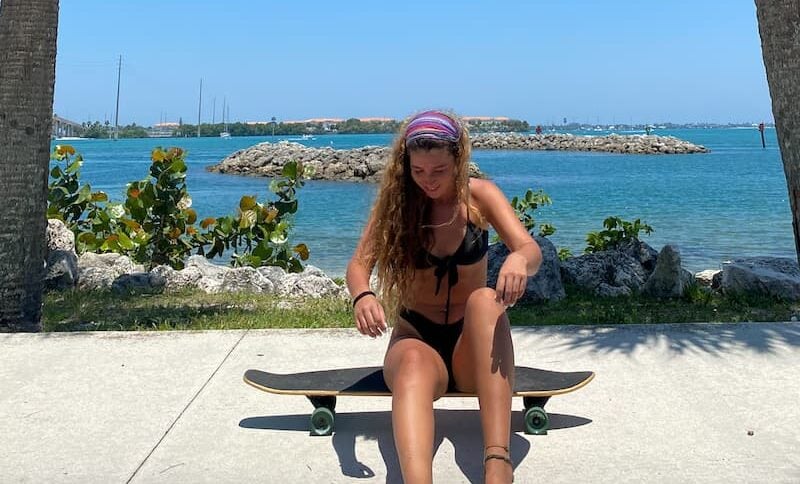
[(715, 339), (460, 427)]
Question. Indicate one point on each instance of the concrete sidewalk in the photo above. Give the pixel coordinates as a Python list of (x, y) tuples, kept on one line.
[(670, 403)]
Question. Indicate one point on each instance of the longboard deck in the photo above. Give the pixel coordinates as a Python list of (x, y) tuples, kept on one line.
[(368, 381)]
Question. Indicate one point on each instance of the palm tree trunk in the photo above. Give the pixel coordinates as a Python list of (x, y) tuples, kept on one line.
[(28, 31), (779, 26)]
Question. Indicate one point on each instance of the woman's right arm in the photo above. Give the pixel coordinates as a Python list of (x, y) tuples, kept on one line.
[(369, 316)]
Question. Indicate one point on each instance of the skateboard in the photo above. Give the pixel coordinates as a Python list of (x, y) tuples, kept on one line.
[(535, 386)]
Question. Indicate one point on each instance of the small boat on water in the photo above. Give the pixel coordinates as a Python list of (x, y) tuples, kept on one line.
[(225, 119)]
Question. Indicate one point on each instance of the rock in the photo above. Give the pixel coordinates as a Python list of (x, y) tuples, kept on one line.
[(612, 143), (61, 266), (176, 281), (202, 274), (641, 251), (139, 283), (273, 273), (310, 285), (545, 285), (669, 279), (61, 270), (766, 276), (267, 159), (709, 278), (211, 275), (246, 279), (98, 271), (605, 273), (59, 237)]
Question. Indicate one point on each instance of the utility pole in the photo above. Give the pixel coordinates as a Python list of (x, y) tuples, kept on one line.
[(116, 116), (199, 107)]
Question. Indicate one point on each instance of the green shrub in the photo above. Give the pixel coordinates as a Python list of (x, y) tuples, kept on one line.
[(156, 224), (261, 229), (616, 232), (67, 200), (564, 254)]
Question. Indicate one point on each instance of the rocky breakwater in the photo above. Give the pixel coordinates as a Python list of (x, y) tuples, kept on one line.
[(267, 159), (612, 143)]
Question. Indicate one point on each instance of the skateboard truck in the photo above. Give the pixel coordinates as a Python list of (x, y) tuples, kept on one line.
[(536, 420), (323, 418)]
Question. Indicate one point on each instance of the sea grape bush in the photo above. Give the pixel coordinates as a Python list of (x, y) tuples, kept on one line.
[(156, 224), (261, 230), (615, 233)]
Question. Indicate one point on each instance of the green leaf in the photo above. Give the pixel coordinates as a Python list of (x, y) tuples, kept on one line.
[(124, 241), (75, 166), (279, 235), (290, 170), (274, 185), (247, 219), (247, 202), (262, 250)]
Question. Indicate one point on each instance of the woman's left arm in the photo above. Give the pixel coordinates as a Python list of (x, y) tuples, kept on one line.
[(524, 258)]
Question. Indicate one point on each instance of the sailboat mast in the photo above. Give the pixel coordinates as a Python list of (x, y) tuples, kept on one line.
[(199, 107), (116, 116)]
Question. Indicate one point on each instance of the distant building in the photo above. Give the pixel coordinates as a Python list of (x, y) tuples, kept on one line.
[(485, 118), (163, 130)]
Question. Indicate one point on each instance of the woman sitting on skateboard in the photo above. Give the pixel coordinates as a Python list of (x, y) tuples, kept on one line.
[(427, 237)]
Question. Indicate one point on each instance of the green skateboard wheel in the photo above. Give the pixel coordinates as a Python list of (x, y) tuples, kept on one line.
[(322, 421), (536, 421)]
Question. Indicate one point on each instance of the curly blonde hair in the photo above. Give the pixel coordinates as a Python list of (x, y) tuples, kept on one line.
[(400, 211)]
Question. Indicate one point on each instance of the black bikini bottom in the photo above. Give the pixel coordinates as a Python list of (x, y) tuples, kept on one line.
[(441, 337)]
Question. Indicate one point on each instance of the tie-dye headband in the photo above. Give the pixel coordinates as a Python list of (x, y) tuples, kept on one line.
[(432, 125)]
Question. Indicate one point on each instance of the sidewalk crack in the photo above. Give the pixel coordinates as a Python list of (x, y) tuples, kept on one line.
[(172, 425)]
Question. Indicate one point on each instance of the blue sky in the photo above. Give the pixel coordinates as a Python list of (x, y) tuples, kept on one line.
[(589, 61)]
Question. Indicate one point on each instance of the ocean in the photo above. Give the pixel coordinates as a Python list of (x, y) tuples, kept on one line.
[(731, 202)]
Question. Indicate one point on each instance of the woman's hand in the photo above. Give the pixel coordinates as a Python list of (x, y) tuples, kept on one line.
[(512, 279), (370, 319)]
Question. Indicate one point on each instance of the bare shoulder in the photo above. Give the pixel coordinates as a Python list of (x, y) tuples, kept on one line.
[(485, 192)]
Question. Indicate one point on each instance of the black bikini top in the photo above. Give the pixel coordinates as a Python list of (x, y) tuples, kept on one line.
[(472, 249)]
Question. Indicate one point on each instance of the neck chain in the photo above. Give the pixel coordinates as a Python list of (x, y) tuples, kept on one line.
[(445, 224)]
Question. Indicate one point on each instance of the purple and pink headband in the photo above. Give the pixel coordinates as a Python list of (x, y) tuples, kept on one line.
[(432, 125)]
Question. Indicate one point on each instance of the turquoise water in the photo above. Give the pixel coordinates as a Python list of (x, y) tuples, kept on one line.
[(728, 203)]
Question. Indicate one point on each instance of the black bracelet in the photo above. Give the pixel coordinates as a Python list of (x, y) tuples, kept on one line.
[(365, 293)]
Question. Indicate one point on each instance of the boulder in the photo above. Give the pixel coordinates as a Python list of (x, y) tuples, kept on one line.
[(605, 273), (59, 237), (61, 266), (139, 283), (641, 251), (311, 283), (245, 279), (98, 271), (669, 279), (61, 270), (766, 276), (709, 278), (176, 281), (545, 285)]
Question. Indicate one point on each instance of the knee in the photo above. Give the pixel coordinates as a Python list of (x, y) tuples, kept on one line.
[(482, 299), (413, 373)]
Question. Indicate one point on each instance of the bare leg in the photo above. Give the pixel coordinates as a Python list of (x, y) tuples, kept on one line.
[(483, 362), (417, 376)]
